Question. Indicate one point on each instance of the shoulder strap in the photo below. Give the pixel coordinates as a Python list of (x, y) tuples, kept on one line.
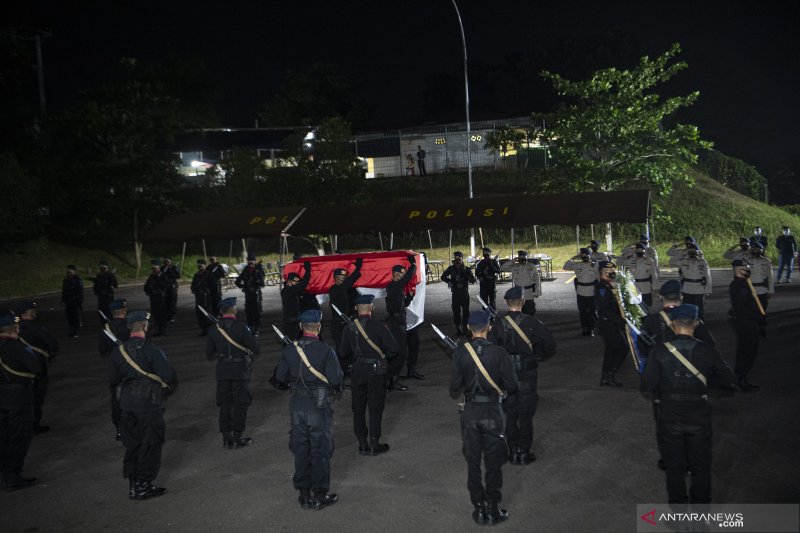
[(10, 370), (674, 351), (230, 340), (369, 341), (136, 367), (311, 369), (520, 332), (34, 348), (478, 363), (667, 320)]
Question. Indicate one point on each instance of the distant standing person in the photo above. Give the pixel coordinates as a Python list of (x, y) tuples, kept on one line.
[(215, 275), (759, 237), (173, 278), (747, 315), (787, 251), (421, 161), (104, 285), (409, 165), (486, 271), (156, 289), (251, 281), (72, 298), (200, 291), (525, 274), (458, 278), (45, 346)]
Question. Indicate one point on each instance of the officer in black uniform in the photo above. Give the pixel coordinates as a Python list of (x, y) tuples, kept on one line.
[(312, 370), (251, 281), (368, 345), (157, 288), (119, 327), (215, 276), (538, 345), (290, 300), (45, 346), (684, 416), (72, 298), (104, 285), (486, 271), (173, 277), (458, 277), (343, 295), (746, 320), (396, 302), (202, 297), (19, 369), (144, 377), (610, 324), (234, 347), (482, 417)]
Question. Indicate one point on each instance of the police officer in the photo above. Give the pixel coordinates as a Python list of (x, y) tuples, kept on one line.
[(173, 277), (644, 271), (104, 285), (486, 271), (746, 319), (759, 237), (157, 289), (45, 346), (396, 302), (119, 327), (312, 370), (787, 251), (527, 341), (202, 298), (738, 251), (483, 387), (19, 369), (675, 252), (234, 347), (290, 300), (251, 281), (525, 275), (343, 295), (216, 273), (144, 377), (763, 281), (610, 324), (368, 345), (458, 277), (649, 251), (596, 254), (72, 299), (679, 372), (695, 276), (585, 281)]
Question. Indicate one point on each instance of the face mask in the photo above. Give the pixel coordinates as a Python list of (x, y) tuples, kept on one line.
[(786, 232), (746, 273), (612, 275), (640, 253), (585, 258), (594, 248), (523, 259), (693, 253)]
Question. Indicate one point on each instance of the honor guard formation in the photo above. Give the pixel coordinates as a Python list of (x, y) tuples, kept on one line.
[(495, 357)]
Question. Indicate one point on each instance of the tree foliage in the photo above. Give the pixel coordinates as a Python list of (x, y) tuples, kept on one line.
[(502, 140), (734, 173), (613, 132)]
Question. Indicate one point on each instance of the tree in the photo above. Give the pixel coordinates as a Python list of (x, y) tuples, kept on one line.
[(614, 130), (504, 139)]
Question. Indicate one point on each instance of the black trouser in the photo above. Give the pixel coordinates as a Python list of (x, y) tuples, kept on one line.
[(586, 310), (311, 442), (397, 325), (202, 320), (214, 298), (171, 302), (482, 433), (686, 446), (529, 307), (143, 434), (39, 392), (369, 393), (762, 324), (116, 413), (158, 306), (648, 299), (252, 308), (460, 306), (16, 427), (519, 409), (73, 312), (747, 338), (337, 329), (421, 165), (412, 347), (103, 301), (616, 346), (234, 396), (695, 299), (291, 328), (488, 293)]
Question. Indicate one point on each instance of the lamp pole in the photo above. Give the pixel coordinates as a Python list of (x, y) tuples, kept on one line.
[(469, 134)]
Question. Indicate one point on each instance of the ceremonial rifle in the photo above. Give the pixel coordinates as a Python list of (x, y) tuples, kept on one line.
[(284, 339), (447, 340), (486, 306), (344, 317)]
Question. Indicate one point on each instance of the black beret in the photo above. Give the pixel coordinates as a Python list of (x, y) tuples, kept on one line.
[(201, 261), (310, 316), (522, 253), (365, 299), (228, 302), (103, 263), (118, 304), (595, 243), (606, 264), (670, 287), (740, 263), (487, 250), (398, 268), (684, 312), (137, 316), (584, 251), (479, 318), (458, 254), (339, 271), (155, 262), (251, 257), (72, 267)]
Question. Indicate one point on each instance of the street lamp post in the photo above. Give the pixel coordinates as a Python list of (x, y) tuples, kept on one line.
[(469, 134)]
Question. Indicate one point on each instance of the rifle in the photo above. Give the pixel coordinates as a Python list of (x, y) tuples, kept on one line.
[(486, 306), (284, 339), (344, 317), (215, 320), (166, 388), (211, 318), (103, 317), (447, 340)]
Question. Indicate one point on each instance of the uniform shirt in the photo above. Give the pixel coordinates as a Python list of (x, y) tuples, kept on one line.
[(119, 327), (292, 369), (608, 305), (156, 285), (290, 296), (344, 296), (761, 274), (735, 254), (200, 285), (171, 274), (37, 335), (658, 329), (72, 291), (105, 283), (215, 274), (585, 276), (524, 275), (761, 239), (140, 393), (395, 293), (458, 277), (695, 274), (486, 270), (786, 245), (232, 363), (15, 355), (468, 379), (251, 279), (644, 272), (503, 334), (742, 302), (650, 252), (355, 346)]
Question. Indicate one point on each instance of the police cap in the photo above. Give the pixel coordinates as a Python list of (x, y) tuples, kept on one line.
[(137, 316), (8, 318), (479, 318), (310, 316), (228, 302), (365, 299), (670, 287), (24, 306), (293, 276), (116, 305), (339, 271), (684, 312), (606, 264), (514, 293)]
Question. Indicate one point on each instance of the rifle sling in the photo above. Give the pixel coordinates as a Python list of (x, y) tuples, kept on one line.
[(45, 353), (520, 332), (480, 366), (674, 351), (136, 367), (311, 369), (369, 341), (667, 320), (233, 342)]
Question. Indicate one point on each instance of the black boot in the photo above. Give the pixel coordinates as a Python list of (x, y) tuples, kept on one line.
[(494, 514), (305, 498), (743, 385), (479, 514), (609, 380), (513, 456), (526, 457), (376, 448), (363, 447), (38, 428), (132, 487), (394, 384), (12, 482), (413, 374), (323, 500), (146, 490), (118, 433), (237, 441)]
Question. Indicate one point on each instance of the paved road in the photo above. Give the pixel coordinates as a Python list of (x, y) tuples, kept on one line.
[(596, 447)]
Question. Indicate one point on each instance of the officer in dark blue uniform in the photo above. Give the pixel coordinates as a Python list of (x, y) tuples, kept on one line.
[(458, 277), (72, 298), (234, 347), (157, 288), (216, 273), (747, 319), (251, 281), (144, 377), (396, 302), (201, 296), (486, 271), (368, 345), (343, 295), (312, 370), (104, 285), (679, 372), (172, 278), (610, 324), (528, 341), (119, 327), (19, 369), (290, 300), (482, 418), (45, 346)]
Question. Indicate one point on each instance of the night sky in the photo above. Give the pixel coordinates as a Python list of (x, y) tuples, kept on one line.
[(743, 58)]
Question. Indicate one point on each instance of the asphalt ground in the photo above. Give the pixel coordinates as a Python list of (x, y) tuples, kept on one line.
[(596, 446)]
